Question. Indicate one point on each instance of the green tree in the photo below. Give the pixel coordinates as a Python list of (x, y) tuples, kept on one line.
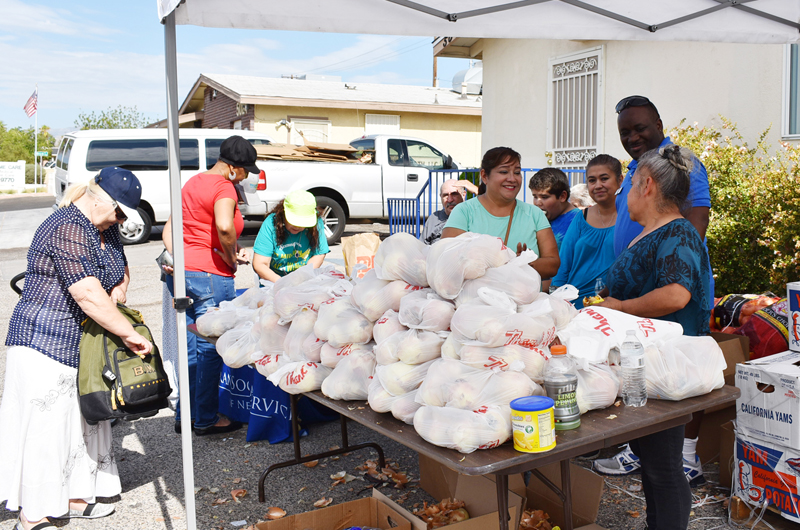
[(113, 118), (18, 143)]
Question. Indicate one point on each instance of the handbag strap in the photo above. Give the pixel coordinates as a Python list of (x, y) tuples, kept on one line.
[(508, 230)]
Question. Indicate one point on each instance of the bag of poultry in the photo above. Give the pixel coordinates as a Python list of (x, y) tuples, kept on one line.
[(273, 332), (402, 257), (218, 320), (598, 386), (236, 345), (373, 296), (405, 406), (306, 273), (399, 378), (378, 398), (387, 325), (312, 346), (463, 430), (330, 356), (516, 278), (253, 298), (351, 378), (491, 320), (683, 367), (453, 260), (296, 378), (534, 360), (596, 330), (557, 305), (309, 295), (426, 310), (451, 347), (301, 327), (269, 364), (339, 323), (411, 347)]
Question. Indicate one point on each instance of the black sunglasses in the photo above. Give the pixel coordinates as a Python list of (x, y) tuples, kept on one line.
[(120, 214), (632, 101)]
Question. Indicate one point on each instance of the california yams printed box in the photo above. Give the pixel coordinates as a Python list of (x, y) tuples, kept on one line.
[(793, 297)]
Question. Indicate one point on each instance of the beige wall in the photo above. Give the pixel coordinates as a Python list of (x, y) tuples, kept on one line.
[(695, 81), (459, 136)]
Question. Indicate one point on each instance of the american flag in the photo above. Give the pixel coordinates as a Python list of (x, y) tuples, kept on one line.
[(30, 106)]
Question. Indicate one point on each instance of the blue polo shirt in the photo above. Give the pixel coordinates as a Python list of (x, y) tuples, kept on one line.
[(625, 230)]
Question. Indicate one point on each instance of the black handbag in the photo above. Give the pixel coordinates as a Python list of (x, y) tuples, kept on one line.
[(113, 381)]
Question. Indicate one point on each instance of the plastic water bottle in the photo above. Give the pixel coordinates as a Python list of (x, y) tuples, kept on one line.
[(599, 285), (560, 383), (634, 386)]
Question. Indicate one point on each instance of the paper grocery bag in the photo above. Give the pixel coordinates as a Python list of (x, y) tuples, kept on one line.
[(360, 249)]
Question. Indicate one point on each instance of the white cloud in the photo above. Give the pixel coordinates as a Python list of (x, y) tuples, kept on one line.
[(20, 17)]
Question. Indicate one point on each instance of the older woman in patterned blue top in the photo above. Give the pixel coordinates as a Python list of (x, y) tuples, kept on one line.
[(664, 274), (53, 463)]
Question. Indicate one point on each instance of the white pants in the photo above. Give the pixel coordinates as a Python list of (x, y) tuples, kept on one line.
[(49, 454)]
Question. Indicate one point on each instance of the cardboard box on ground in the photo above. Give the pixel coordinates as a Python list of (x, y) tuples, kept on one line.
[(587, 489), (370, 512)]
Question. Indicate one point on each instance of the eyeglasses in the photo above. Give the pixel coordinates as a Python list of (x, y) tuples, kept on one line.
[(632, 101)]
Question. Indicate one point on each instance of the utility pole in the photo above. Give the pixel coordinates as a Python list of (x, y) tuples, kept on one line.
[(435, 81)]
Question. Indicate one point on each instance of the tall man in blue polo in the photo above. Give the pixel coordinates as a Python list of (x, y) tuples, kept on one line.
[(640, 130)]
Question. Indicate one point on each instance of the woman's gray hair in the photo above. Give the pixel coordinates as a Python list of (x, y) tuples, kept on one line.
[(669, 167)]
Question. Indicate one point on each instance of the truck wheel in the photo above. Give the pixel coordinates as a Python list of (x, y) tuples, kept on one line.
[(333, 217), (138, 235)]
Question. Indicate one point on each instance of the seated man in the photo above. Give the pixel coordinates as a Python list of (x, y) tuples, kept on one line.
[(451, 192), (550, 191)]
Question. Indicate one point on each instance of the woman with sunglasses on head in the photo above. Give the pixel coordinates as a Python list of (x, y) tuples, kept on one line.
[(212, 224), (54, 464)]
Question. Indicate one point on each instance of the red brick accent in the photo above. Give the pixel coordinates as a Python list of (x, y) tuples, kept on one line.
[(220, 112)]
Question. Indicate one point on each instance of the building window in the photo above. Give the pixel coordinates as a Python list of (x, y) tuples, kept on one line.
[(309, 131), (237, 125), (791, 91), (381, 124), (575, 108)]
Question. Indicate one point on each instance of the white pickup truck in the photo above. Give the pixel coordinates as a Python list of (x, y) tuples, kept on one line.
[(400, 168)]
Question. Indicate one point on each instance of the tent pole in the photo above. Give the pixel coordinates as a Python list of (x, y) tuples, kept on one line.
[(179, 275)]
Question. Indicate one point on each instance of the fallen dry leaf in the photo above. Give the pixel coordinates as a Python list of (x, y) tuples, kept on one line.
[(634, 513), (302, 489), (217, 502), (612, 417), (237, 494), (237, 480), (323, 502), (275, 513), (617, 403), (313, 463), (213, 490), (334, 448)]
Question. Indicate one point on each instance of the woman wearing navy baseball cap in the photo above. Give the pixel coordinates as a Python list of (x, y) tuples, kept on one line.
[(55, 464)]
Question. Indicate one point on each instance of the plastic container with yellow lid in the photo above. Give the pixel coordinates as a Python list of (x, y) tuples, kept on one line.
[(533, 424)]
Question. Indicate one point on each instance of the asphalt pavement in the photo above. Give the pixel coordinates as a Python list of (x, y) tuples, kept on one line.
[(148, 452)]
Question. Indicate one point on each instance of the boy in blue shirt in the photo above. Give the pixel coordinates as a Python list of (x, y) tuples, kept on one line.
[(550, 191)]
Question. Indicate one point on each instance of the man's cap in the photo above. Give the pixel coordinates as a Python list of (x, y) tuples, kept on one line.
[(300, 208), (124, 188), (238, 152)]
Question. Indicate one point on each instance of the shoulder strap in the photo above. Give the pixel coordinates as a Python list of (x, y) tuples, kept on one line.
[(510, 220), (586, 214)]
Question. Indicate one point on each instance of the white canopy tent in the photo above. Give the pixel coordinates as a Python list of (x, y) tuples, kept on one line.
[(744, 21)]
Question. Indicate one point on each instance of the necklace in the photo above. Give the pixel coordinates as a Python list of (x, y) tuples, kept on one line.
[(611, 219)]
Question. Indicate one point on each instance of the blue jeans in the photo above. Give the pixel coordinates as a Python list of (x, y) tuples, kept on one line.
[(666, 490), (205, 365)]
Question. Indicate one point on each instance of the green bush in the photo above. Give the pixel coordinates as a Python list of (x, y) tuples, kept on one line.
[(755, 208)]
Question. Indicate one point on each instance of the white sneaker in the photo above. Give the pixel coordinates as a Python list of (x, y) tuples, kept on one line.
[(694, 472), (623, 463)]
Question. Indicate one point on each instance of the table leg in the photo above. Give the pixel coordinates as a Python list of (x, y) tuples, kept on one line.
[(566, 487), (501, 482)]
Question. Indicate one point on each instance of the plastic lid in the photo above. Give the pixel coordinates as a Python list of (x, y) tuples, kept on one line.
[(532, 403), (559, 349), (630, 332)]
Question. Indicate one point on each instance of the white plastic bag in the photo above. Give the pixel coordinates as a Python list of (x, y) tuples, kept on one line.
[(269, 364), (425, 310), (405, 406), (309, 295), (596, 330), (598, 387), (387, 325), (330, 356), (378, 398), (556, 305), (306, 273), (312, 347), (301, 327), (451, 261), (351, 378), (339, 323), (411, 347), (502, 358), (236, 345), (373, 296), (218, 320), (272, 332), (402, 257), (253, 298), (296, 378), (399, 378), (516, 278), (683, 367), (463, 430)]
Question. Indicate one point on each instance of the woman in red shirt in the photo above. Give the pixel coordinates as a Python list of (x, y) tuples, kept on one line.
[(212, 224)]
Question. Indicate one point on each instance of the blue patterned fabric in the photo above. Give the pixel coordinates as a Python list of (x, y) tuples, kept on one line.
[(66, 248), (671, 254)]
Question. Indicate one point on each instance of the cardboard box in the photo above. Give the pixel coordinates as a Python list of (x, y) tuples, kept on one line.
[(362, 512), (709, 444), (727, 443), (736, 349), (480, 498), (767, 471), (793, 297), (587, 489), (769, 407)]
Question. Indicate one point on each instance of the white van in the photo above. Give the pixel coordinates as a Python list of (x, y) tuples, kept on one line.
[(82, 154)]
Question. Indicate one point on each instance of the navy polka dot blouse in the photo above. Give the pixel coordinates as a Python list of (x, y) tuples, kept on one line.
[(65, 249)]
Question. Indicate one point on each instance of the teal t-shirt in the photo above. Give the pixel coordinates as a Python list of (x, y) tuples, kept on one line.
[(293, 253), (471, 216)]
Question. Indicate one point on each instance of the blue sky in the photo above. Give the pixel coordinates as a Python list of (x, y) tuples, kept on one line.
[(93, 55)]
